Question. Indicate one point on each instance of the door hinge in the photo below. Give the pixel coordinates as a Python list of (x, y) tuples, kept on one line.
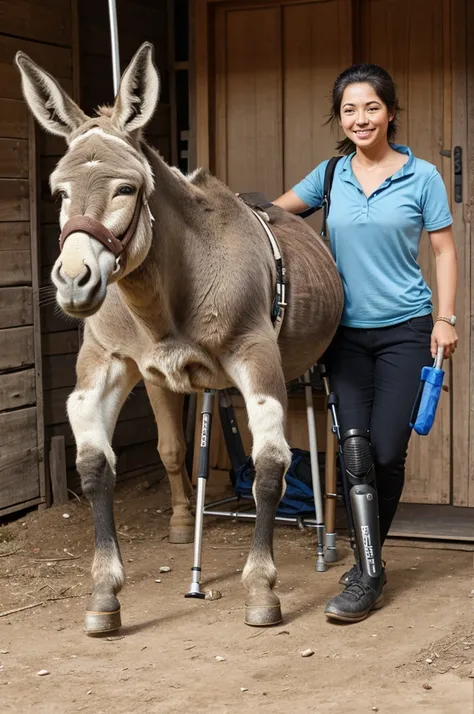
[(456, 154)]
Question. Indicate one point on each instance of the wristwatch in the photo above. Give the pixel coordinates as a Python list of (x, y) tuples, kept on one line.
[(450, 320)]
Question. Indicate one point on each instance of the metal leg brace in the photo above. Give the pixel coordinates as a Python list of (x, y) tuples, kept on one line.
[(360, 494), (202, 476), (332, 402)]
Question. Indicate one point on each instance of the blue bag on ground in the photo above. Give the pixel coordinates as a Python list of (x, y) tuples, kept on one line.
[(298, 498), (427, 399)]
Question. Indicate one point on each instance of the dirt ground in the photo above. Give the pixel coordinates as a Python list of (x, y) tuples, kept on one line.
[(414, 655)]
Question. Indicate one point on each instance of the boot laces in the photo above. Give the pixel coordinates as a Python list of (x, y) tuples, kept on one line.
[(357, 589)]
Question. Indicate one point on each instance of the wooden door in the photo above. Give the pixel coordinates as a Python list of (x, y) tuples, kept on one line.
[(273, 70)]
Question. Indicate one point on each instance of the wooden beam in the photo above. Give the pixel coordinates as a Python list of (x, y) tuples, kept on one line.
[(469, 214), (192, 157), (57, 470), (201, 65), (35, 267), (24, 505), (76, 53), (172, 79), (462, 365)]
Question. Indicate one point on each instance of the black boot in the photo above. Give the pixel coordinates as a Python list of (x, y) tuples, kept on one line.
[(357, 599)]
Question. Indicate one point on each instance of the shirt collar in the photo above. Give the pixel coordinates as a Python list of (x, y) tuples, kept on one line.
[(407, 169)]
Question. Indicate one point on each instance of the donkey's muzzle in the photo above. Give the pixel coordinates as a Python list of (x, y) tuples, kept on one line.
[(78, 289)]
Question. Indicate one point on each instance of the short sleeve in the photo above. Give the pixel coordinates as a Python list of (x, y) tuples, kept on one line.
[(434, 204), (311, 189)]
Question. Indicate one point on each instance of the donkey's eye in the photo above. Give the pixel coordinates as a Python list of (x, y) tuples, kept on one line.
[(125, 190)]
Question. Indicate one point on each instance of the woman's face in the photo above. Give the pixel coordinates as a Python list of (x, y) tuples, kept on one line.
[(364, 117)]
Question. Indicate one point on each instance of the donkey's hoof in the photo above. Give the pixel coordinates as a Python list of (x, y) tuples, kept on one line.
[(97, 623), (262, 615), (181, 534)]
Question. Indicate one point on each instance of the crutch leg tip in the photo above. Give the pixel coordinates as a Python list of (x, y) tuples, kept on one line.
[(320, 566), (331, 555)]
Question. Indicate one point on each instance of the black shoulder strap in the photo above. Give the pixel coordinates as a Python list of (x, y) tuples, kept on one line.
[(328, 177)]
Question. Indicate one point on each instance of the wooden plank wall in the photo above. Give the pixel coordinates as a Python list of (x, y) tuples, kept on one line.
[(41, 29), (71, 40)]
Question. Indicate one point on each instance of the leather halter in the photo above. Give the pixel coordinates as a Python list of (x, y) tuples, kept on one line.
[(95, 229)]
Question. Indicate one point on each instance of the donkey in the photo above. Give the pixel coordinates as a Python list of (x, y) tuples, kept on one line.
[(174, 278)]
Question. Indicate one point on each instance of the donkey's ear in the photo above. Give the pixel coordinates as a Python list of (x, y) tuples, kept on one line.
[(138, 92), (52, 107)]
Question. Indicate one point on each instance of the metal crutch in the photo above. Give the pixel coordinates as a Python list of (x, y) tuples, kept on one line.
[(315, 475), (330, 555), (202, 476)]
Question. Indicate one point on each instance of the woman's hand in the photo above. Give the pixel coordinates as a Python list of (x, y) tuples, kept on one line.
[(443, 335)]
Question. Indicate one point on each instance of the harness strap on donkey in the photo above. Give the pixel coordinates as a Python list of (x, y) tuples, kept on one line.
[(97, 230), (279, 302), (258, 204)]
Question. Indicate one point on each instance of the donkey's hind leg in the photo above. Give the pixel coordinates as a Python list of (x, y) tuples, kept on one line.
[(256, 371), (168, 410), (102, 387)]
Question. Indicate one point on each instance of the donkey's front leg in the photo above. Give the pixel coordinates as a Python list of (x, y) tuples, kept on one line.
[(102, 387), (256, 371), (168, 409)]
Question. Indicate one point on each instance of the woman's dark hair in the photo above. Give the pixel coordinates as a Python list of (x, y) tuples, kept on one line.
[(383, 86)]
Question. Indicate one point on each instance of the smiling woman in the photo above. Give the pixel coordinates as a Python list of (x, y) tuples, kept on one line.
[(382, 198)]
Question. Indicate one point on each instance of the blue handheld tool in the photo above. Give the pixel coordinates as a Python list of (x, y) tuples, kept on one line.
[(429, 392)]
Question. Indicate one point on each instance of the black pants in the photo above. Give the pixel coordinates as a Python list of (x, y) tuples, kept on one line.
[(375, 374)]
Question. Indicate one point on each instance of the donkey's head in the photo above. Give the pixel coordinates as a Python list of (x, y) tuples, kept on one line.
[(104, 180)]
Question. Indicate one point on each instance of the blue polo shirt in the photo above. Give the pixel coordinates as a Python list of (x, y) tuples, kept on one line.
[(375, 241)]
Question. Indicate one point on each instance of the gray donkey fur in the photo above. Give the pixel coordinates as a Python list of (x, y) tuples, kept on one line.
[(185, 306)]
